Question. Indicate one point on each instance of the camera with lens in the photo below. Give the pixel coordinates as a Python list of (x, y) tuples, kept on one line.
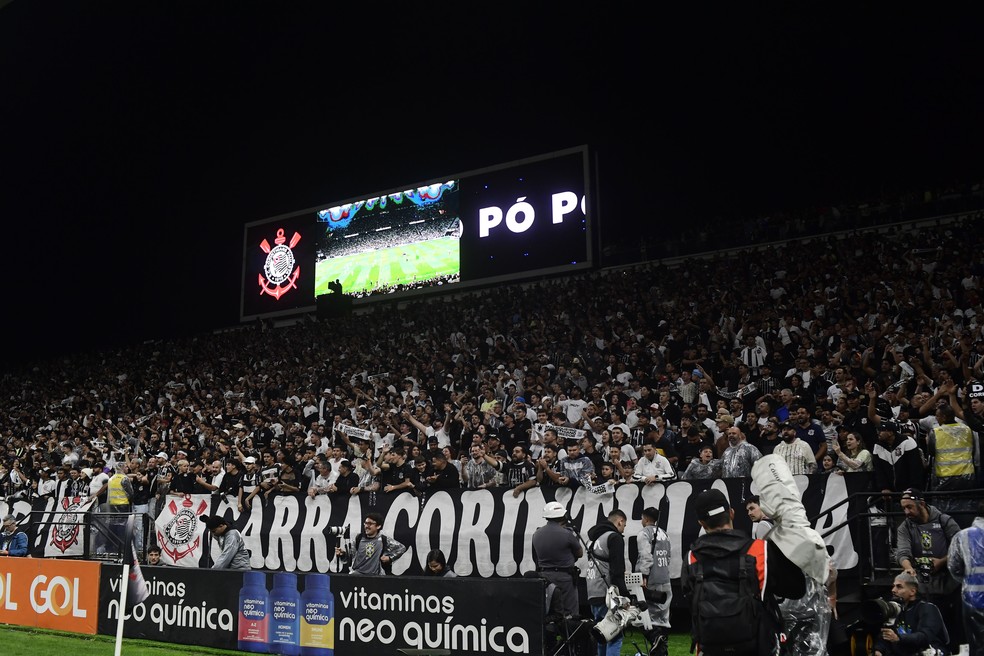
[(339, 531), (655, 596), (924, 567), (621, 612), (879, 612)]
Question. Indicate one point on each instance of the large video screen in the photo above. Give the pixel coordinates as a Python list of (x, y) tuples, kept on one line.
[(391, 243), (507, 222)]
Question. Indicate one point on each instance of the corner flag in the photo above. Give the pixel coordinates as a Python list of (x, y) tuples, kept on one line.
[(136, 587)]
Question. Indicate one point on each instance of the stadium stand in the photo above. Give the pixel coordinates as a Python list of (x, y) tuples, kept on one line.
[(886, 293)]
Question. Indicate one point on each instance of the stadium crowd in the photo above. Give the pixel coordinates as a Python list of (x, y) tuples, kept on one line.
[(837, 339), (390, 237), (404, 287), (860, 351)]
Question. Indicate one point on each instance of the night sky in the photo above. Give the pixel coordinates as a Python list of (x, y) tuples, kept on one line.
[(139, 138)]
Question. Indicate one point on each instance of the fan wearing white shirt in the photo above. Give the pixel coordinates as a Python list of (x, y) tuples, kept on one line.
[(573, 407), (337, 456), (653, 467)]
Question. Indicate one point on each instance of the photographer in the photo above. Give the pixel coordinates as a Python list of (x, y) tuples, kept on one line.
[(374, 552), (607, 553), (918, 626), (923, 542), (653, 563)]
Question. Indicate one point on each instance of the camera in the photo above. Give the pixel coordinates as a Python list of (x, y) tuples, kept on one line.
[(620, 613), (339, 531), (655, 596), (880, 612), (924, 567)]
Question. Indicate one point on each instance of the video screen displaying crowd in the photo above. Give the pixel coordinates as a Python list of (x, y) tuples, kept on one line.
[(394, 236)]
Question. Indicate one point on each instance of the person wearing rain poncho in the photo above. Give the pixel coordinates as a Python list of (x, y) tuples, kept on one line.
[(733, 581), (965, 561), (806, 619)]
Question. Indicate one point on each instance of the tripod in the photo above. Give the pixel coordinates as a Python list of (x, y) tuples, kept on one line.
[(575, 637), (564, 634)]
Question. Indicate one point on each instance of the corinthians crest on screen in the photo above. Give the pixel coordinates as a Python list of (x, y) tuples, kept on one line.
[(280, 269)]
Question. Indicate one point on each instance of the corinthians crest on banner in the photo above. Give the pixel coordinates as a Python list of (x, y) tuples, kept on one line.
[(280, 270), (66, 538), (179, 533)]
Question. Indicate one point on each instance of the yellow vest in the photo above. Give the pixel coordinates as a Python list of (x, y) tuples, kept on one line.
[(954, 450), (116, 495)]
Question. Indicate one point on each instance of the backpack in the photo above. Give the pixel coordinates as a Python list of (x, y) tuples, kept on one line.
[(728, 616), (387, 567), (358, 540)]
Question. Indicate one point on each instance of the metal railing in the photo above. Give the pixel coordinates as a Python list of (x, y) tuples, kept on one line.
[(102, 533), (878, 527)]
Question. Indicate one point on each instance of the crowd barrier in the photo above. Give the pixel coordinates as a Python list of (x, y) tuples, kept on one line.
[(483, 533), (50, 594), (486, 536), (312, 615)]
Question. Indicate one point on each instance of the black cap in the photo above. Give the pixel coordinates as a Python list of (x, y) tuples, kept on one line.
[(889, 426), (710, 504), (212, 522), (853, 394), (913, 493)]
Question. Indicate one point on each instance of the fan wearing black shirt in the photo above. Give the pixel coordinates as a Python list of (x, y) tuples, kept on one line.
[(589, 449), (518, 472), (231, 483), (510, 434), (347, 479), (397, 474), (444, 475)]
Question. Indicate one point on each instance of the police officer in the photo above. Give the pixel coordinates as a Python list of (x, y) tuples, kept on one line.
[(556, 547)]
